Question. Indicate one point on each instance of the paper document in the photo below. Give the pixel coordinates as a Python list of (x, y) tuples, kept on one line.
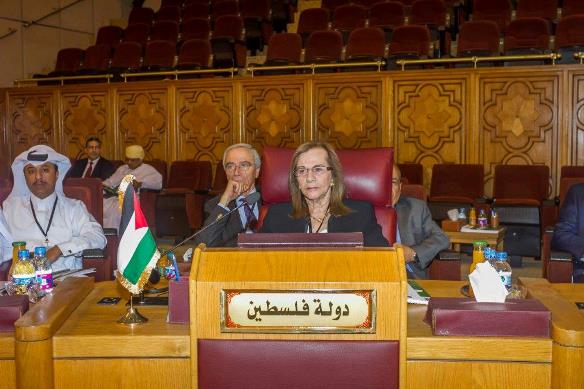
[(468, 228), (417, 294)]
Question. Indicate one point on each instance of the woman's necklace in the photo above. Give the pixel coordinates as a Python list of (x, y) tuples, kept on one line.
[(320, 220)]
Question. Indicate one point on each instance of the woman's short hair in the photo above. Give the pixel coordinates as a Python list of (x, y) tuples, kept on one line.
[(257, 161), (299, 206)]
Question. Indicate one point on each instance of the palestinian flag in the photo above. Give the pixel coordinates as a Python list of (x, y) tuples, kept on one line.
[(137, 251)]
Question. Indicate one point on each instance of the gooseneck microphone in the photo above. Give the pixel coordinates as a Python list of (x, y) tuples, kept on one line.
[(250, 200)]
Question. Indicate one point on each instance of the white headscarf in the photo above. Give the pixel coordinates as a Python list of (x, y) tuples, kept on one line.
[(37, 155)]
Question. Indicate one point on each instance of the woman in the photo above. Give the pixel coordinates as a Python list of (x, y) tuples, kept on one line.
[(318, 205)]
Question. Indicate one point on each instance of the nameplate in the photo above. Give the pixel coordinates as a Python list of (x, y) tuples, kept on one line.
[(298, 311)]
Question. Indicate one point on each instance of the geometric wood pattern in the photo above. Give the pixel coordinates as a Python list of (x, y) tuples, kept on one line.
[(513, 115)]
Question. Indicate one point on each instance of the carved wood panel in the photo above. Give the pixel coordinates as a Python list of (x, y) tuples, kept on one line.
[(84, 115), (143, 120), (31, 121), (430, 122), (205, 122), (576, 126), (273, 115), (519, 122), (348, 115)]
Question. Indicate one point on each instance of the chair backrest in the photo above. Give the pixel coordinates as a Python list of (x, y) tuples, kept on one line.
[(331, 5), (69, 60), (428, 12), (412, 172), (161, 167), (194, 53), (570, 31), (572, 7), (369, 182), (166, 30), (88, 190), (220, 179), (527, 33), (366, 43), (109, 35), (457, 182), (141, 15), (228, 25), (159, 53), (410, 39), (546, 9), (498, 11), (196, 10), (196, 28), (195, 175), (572, 171), (97, 58), (386, 14), (313, 19), (521, 184), (137, 33), (324, 46), (255, 8), (127, 56), (171, 13), (478, 36), (226, 7), (565, 185), (348, 17), (285, 47)]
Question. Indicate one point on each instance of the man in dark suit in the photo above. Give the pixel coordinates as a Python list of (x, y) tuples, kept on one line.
[(419, 236), (569, 230), (242, 166), (94, 165)]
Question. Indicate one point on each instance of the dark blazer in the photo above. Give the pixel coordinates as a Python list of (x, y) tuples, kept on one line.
[(418, 231), (362, 219), (224, 233), (569, 230), (103, 170)]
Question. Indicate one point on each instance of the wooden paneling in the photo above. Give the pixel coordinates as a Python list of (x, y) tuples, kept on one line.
[(7, 374), (518, 115)]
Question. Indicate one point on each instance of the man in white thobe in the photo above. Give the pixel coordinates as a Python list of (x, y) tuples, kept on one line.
[(145, 176), (38, 212), (5, 240)]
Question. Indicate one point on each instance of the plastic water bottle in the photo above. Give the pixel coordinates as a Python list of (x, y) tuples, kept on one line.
[(43, 270), (503, 268), (23, 273)]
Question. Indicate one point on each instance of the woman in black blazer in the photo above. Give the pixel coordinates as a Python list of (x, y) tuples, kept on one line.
[(317, 191)]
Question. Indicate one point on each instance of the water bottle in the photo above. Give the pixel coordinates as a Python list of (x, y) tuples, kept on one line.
[(503, 268), (43, 270), (482, 220), (23, 273)]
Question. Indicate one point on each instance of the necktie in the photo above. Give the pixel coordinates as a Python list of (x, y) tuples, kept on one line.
[(89, 170), (251, 222)]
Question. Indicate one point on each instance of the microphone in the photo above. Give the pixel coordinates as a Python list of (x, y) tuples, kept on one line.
[(249, 200)]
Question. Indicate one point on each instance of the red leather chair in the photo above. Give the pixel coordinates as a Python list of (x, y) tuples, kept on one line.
[(148, 197), (362, 181), (411, 172)]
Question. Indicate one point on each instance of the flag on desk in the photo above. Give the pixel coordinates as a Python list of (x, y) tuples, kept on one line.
[(137, 251)]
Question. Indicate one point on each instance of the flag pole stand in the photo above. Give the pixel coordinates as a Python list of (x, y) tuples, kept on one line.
[(132, 316)]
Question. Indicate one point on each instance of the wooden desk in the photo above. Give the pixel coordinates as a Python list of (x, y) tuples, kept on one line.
[(7, 364), (493, 239), (92, 347), (471, 362)]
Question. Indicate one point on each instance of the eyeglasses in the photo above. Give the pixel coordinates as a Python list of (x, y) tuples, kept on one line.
[(243, 167), (317, 170), (395, 182)]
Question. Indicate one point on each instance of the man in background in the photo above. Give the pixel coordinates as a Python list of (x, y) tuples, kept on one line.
[(242, 167), (94, 165), (38, 212), (419, 236), (145, 176)]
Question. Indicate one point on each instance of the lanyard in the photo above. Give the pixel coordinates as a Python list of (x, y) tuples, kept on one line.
[(45, 233)]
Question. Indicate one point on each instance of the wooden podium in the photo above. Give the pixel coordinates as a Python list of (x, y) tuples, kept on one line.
[(219, 277)]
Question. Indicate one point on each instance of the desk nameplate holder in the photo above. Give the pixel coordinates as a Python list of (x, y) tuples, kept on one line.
[(298, 311)]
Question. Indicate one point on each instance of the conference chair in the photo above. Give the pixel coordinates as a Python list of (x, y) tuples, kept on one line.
[(68, 62), (223, 8), (347, 18), (138, 33), (432, 14), (109, 35), (498, 11), (141, 15), (228, 42), (179, 208), (367, 182), (284, 49), (456, 186), (196, 28), (572, 7), (312, 19), (365, 44), (168, 13), (97, 59), (332, 5), (165, 30), (159, 56), (324, 47), (412, 173), (194, 54), (519, 194), (196, 11), (126, 57), (570, 37), (408, 42), (478, 38), (387, 16), (527, 36), (257, 19), (547, 9)]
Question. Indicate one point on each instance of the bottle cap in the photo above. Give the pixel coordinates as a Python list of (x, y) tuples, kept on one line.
[(23, 254), (16, 244), (40, 251)]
